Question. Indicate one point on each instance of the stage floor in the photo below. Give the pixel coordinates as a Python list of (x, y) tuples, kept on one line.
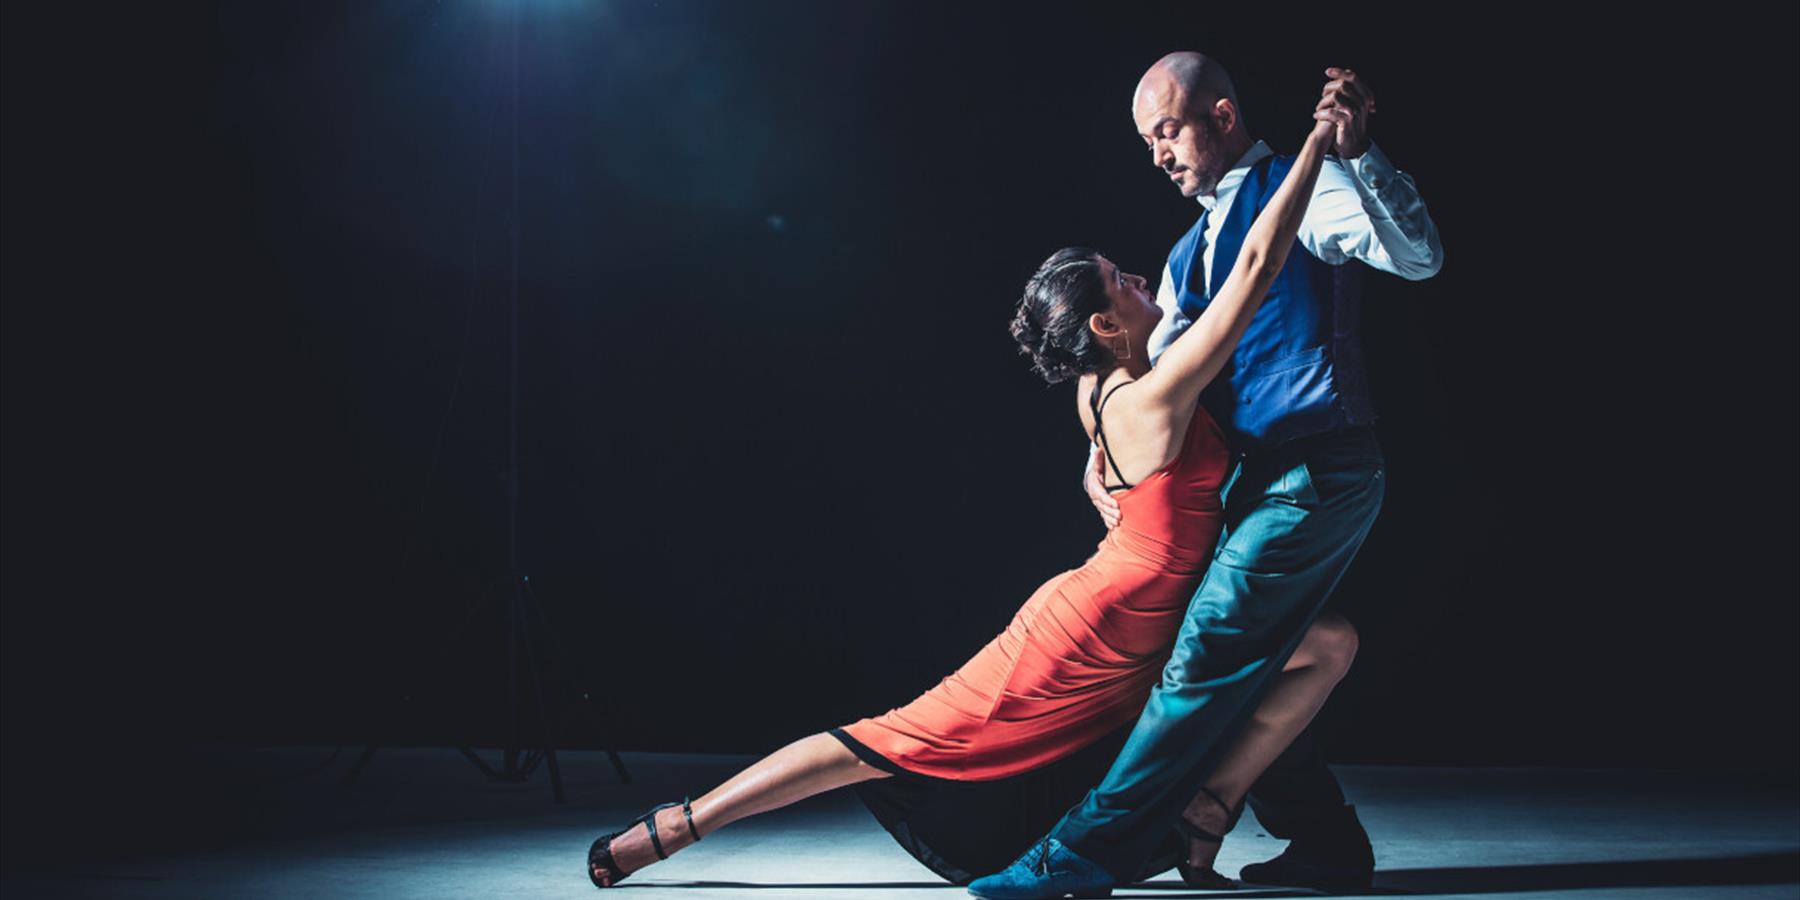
[(423, 823)]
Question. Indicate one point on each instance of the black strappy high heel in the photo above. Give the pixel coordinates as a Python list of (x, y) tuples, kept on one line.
[(1206, 878), (600, 854)]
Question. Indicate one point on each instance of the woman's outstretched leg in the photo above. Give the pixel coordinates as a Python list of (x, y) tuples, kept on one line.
[(811, 765), (1294, 697)]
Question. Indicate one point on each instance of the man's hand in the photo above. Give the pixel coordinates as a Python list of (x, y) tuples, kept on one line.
[(1095, 484), (1347, 93)]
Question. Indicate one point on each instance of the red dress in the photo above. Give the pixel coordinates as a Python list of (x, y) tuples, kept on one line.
[(1075, 665)]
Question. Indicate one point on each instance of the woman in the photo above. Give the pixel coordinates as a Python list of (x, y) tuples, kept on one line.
[(970, 773)]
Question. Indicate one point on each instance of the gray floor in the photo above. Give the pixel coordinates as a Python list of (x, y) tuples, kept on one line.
[(424, 824)]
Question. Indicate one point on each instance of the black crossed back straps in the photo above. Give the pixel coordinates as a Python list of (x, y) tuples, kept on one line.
[(1098, 402)]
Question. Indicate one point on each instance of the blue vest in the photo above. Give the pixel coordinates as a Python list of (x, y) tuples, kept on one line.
[(1299, 369)]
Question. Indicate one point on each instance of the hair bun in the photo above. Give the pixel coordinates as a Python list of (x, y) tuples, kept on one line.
[(1050, 321)]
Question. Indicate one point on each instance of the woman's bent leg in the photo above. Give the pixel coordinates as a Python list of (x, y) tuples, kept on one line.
[(811, 765), (1294, 697)]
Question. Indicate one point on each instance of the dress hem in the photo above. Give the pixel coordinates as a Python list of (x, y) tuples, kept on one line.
[(874, 758)]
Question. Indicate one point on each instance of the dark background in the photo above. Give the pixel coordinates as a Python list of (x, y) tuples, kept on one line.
[(783, 467)]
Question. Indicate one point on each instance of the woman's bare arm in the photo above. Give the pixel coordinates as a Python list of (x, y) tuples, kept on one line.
[(1185, 369)]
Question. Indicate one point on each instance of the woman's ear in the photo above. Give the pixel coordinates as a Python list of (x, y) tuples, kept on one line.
[(1101, 324)]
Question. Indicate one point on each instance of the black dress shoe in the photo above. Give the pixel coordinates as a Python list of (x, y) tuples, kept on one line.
[(1339, 863), (1297, 869)]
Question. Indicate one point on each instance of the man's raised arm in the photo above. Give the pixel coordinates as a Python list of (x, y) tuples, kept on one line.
[(1364, 208)]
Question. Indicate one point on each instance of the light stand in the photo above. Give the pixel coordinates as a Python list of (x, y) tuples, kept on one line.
[(520, 603)]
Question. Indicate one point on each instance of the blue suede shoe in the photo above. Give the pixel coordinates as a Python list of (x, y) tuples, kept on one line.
[(1049, 870)]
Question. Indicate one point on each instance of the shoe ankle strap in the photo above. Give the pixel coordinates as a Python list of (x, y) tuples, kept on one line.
[(687, 809)]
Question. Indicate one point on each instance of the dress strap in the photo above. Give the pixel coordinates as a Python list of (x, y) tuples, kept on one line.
[(1098, 402)]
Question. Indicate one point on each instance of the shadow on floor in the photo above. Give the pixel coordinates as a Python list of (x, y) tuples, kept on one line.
[(1763, 868), (1760, 868), (1160, 887)]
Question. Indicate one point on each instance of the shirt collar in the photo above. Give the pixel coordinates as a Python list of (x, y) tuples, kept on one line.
[(1229, 181)]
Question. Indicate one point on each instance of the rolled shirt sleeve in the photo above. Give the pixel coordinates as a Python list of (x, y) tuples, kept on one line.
[(1366, 209)]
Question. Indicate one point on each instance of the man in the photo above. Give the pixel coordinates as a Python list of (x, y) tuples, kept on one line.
[(1307, 488)]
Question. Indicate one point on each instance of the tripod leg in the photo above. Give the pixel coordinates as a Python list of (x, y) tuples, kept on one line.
[(580, 682), (618, 766), (439, 661), (515, 634), (479, 764), (599, 728), (356, 770), (537, 690)]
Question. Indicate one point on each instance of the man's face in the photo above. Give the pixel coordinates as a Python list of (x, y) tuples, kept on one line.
[(1186, 143)]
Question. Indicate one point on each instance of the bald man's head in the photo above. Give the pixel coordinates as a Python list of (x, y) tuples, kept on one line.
[(1201, 78), (1186, 109)]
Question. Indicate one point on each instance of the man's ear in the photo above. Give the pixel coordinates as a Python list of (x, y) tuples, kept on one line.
[(1225, 114)]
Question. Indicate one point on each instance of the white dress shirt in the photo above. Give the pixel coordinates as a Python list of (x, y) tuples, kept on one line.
[(1362, 208)]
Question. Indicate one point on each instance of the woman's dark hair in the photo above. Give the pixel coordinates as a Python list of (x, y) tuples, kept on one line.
[(1051, 323)]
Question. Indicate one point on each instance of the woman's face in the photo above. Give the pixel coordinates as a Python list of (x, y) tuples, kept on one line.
[(1133, 308)]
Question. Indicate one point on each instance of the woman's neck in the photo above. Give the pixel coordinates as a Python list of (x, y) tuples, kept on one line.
[(1133, 368)]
